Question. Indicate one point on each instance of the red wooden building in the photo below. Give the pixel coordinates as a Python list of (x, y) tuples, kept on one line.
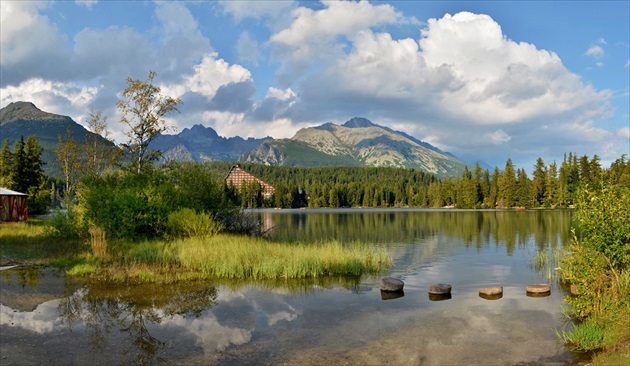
[(13, 205), (237, 177)]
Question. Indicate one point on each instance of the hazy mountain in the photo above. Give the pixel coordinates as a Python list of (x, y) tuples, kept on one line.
[(201, 143), (25, 119), (358, 142)]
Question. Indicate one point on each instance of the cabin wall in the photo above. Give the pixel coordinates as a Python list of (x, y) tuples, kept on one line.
[(13, 208)]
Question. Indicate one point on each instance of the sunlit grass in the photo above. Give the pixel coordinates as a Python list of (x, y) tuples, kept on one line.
[(228, 256), (31, 241)]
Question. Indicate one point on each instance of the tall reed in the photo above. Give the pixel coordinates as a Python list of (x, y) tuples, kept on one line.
[(98, 242)]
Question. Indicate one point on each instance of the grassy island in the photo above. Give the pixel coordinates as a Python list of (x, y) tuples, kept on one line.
[(218, 256)]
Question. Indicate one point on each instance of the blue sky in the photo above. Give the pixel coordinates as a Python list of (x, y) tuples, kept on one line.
[(484, 80)]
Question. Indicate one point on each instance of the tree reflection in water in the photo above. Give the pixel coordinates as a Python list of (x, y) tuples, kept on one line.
[(122, 309)]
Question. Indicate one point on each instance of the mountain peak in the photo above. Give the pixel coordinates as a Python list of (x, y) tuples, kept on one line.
[(26, 111), (359, 122)]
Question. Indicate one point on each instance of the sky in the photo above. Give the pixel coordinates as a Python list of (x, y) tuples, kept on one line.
[(486, 81)]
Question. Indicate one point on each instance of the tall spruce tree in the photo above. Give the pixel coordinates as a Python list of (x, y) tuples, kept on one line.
[(6, 166), (539, 187), (507, 185)]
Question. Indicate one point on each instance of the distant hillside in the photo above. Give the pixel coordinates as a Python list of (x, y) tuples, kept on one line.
[(25, 119), (201, 143), (358, 142)]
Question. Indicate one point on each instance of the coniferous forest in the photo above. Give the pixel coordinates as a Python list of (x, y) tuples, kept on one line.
[(548, 186)]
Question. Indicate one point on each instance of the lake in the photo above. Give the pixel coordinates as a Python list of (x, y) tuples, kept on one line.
[(46, 318)]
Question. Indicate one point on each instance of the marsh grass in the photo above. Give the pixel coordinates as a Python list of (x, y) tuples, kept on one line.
[(238, 257), (546, 263), (256, 258), (30, 241)]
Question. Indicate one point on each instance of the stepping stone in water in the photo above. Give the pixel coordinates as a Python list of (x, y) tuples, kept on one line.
[(440, 289), (390, 284)]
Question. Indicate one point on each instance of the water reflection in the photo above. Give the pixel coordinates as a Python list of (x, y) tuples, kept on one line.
[(46, 318), (473, 228)]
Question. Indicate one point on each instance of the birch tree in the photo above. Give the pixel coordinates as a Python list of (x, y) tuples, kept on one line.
[(144, 109)]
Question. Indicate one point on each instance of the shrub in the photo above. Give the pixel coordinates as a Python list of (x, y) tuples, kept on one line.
[(137, 205), (188, 223), (65, 225), (598, 263)]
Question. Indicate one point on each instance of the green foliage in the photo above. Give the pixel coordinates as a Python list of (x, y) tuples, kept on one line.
[(128, 205), (599, 265), (137, 205), (188, 223), (64, 225), (143, 109), (22, 171), (603, 217)]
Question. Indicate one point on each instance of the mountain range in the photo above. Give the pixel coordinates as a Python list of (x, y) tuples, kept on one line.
[(357, 142), (24, 119)]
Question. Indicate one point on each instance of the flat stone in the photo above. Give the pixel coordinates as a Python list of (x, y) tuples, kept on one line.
[(490, 291), (440, 289), (390, 284), (540, 288), (574, 291)]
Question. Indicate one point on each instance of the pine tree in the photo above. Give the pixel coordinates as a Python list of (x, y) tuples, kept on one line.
[(551, 185), (20, 181), (6, 166), (523, 193), (539, 188), (33, 162), (507, 185)]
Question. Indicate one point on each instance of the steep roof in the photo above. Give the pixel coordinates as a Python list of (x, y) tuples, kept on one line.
[(8, 192), (238, 177)]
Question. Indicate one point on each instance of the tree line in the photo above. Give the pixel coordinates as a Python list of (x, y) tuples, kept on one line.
[(550, 186)]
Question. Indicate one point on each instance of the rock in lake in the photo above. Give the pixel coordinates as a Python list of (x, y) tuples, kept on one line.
[(390, 284), (440, 289)]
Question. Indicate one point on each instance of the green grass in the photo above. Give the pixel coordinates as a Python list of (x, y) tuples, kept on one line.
[(217, 257), (240, 257), (245, 257), (30, 241)]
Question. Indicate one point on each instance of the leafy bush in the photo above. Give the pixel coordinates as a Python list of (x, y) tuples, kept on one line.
[(65, 225), (188, 223), (137, 205), (604, 221), (598, 263)]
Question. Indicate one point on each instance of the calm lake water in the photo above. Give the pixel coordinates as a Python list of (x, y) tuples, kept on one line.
[(46, 318)]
